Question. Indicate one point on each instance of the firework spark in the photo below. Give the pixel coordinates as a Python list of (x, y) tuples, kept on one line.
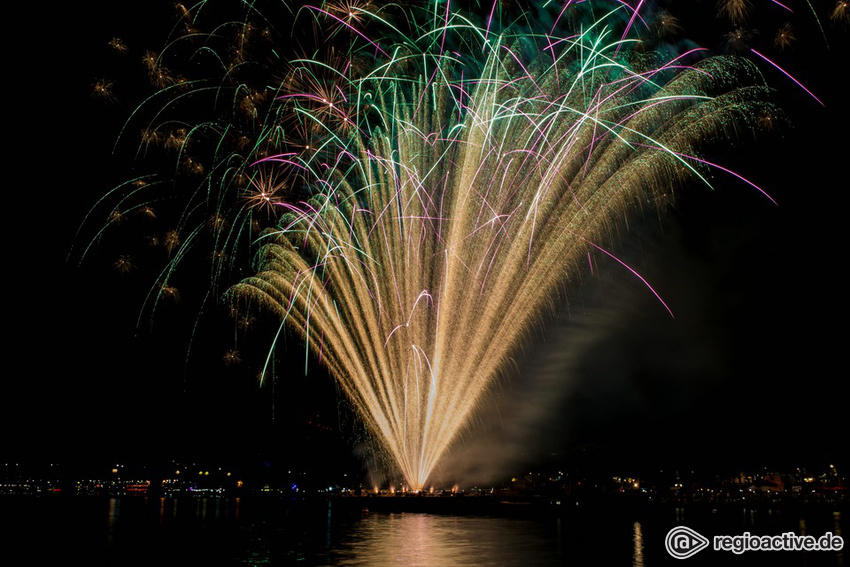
[(123, 265), (784, 37), (117, 44), (103, 89), (736, 11), (840, 13)]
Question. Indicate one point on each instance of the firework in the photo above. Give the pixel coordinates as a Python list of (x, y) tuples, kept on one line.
[(103, 89), (442, 230), (785, 37), (428, 184), (736, 10), (840, 13)]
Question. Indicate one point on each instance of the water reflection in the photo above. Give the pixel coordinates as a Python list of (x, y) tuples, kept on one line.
[(637, 557), (112, 514), (423, 540), (228, 533)]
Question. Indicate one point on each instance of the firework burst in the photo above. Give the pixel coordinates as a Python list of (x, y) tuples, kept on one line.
[(840, 13), (428, 183), (736, 11), (442, 229)]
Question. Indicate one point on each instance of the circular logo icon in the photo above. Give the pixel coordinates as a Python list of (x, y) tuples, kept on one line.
[(683, 542)]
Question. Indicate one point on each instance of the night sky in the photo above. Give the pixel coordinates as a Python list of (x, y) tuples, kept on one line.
[(751, 371)]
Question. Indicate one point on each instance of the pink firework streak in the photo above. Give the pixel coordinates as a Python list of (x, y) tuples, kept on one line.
[(633, 271), (787, 74)]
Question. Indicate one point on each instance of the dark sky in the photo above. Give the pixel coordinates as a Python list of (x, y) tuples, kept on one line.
[(751, 369)]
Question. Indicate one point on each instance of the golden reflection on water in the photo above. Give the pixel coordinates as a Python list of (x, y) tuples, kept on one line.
[(112, 519), (637, 556), (423, 540)]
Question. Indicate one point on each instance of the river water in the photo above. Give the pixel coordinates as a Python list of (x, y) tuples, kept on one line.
[(136, 531)]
